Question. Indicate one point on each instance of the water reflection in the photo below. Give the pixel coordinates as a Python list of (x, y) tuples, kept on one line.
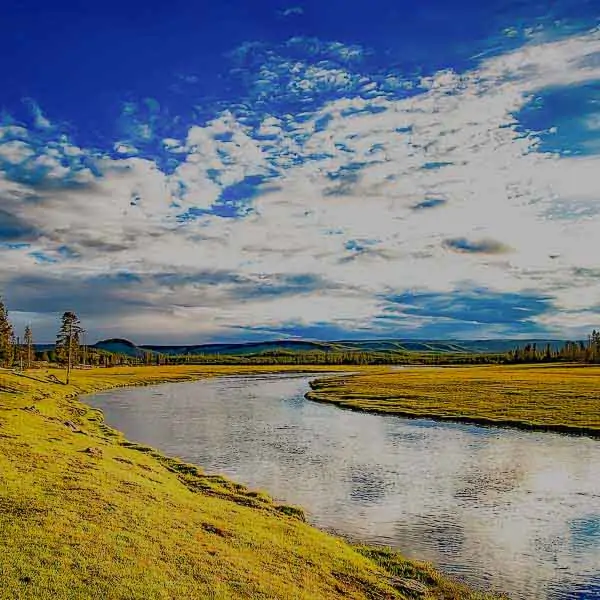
[(502, 509)]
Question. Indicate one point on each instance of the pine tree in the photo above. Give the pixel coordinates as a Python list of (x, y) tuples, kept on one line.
[(6, 337), (29, 350), (67, 341), (17, 353)]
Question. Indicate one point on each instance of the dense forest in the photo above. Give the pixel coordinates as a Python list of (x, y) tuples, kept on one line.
[(18, 352)]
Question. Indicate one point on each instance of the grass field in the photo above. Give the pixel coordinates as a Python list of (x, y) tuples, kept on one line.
[(543, 397), (86, 514)]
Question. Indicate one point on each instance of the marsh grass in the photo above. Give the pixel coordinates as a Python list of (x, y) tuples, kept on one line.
[(85, 514), (540, 397)]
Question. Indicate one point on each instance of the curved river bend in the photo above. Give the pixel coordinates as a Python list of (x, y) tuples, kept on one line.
[(501, 509)]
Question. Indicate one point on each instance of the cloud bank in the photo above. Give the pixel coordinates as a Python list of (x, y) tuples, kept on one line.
[(327, 199)]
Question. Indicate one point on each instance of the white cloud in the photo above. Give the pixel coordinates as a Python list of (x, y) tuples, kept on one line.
[(173, 145), (354, 178), (15, 151), (51, 165), (291, 12), (271, 126), (13, 131), (123, 148)]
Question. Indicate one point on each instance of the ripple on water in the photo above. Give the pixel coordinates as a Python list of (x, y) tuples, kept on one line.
[(501, 509)]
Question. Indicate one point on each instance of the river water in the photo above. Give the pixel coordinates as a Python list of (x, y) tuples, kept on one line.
[(501, 509)]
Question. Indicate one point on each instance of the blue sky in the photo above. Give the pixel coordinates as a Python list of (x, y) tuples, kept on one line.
[(189, 172)]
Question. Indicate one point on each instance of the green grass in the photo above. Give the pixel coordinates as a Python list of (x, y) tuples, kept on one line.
[(86, 514), (542, 397)]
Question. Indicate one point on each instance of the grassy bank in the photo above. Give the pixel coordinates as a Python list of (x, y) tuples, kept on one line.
[(540, 397), (86, 514)]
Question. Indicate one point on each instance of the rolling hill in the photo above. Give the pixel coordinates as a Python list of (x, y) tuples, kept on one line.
[(398, 345), (128, 348)]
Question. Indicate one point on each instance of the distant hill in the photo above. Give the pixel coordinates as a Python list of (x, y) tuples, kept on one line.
[(120, 346), (113, 345), (245, 349), (393, 345), (128, 348)]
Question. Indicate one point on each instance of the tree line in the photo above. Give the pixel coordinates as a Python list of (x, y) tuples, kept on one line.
[(587, 351), (19, 352), (12, 350), (324, 357), (68, 350)]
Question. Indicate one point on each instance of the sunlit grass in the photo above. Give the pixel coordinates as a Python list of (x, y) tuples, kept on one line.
[(86, 514), (560, 398)]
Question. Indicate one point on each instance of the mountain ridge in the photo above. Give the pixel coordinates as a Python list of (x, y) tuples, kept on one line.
[(393, 345)]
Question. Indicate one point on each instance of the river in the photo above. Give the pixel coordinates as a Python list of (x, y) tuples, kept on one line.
[(514, 511)]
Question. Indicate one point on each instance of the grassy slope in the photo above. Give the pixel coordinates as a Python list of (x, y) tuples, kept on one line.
[(545, 397), (86, 514)]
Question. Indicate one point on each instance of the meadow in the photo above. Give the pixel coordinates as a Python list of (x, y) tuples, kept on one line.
[(84, 513), (562, 398)]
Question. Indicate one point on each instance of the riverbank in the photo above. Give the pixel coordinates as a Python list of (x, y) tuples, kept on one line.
[(559, 398), (86, 514)]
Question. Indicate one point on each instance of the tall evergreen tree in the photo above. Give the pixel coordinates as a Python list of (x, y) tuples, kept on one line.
[(67, 341), (6, 337), (29, 350), (17, 353)]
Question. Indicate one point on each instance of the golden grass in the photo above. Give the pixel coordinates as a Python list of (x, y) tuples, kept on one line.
[(86, 514), (545, 397)]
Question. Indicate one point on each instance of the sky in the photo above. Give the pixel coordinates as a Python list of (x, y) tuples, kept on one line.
[(180, 172)]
